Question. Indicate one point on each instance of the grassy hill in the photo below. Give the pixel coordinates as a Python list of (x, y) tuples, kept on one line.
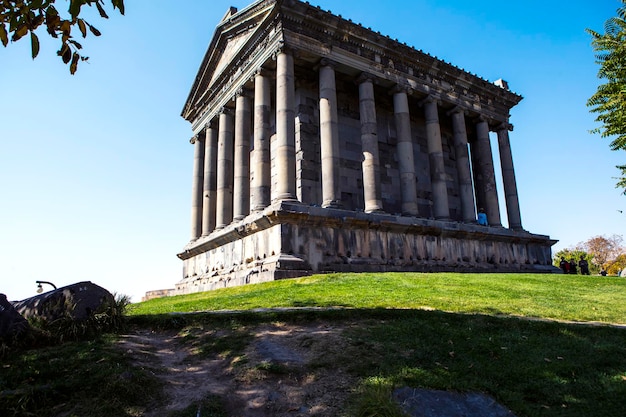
[(542, 345), (550, 296)]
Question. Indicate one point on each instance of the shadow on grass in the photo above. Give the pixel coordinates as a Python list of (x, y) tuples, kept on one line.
[(533, 367), (312, 302)]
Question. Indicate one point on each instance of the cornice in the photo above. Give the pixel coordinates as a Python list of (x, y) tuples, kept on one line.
[(391, 55), (302, 27)]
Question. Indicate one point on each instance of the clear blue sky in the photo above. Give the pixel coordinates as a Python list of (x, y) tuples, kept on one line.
[(95, 168)]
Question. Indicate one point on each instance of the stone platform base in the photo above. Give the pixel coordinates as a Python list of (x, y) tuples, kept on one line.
[(289, 240)]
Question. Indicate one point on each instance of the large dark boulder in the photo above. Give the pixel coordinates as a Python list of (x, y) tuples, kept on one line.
[(11, 322), (77, 301)]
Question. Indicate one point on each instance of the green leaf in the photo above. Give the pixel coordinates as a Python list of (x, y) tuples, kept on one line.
[(82, 27), (75, 6), (93, 30), (3, 35), (101, 10), (20, 32), (119, 4), (66, 53), (51, 11), (74, 64), (76, 44), (37, 21), (34, 43)]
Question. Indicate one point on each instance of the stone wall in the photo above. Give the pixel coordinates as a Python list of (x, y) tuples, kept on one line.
[(291, 239)]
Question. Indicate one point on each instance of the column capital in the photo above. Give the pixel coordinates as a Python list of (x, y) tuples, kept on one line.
[(399, 88), (364, 77), (457, 109), (429, 99), (211, 124), (262, 72), (195, 138), (245, 92), (226, 111), (482, 118), (327, 62), (283, 48), (504, 126)]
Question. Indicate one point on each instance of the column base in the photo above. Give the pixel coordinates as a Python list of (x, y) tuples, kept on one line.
[(285, 197), (332, 204)]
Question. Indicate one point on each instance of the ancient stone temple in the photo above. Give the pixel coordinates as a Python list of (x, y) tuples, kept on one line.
[(321, 146)]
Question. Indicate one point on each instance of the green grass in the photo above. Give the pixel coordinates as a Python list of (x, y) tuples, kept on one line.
[(552, 296), (80, 378), (458, 332), (534, 368)]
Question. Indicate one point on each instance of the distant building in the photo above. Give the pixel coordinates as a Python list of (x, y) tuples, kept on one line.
[(323, 146)]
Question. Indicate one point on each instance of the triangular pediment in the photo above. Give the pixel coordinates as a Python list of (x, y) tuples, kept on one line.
[(236, 31), (229, 50)]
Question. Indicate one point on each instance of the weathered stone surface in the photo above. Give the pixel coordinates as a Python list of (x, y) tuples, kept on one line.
[(78, 301), (429, 403), (11, 322), (291, 239)]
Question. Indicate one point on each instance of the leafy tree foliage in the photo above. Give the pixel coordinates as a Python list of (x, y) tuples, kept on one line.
[(600, 252), (609, 101), (604, 249), (618, 265), (575, 254), (19, 18)]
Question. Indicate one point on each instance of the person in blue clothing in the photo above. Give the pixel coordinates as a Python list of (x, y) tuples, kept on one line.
[(482, 217)]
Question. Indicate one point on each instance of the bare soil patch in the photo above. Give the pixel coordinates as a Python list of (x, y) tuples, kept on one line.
[(278, 372)]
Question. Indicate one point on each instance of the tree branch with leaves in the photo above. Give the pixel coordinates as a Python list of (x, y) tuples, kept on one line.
[(609, 101), (20, 18)]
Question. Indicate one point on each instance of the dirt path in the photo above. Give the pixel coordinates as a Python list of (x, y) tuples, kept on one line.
[(274, 370), (275, 375)]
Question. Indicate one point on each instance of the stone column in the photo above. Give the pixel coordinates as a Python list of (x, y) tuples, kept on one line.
[(224, 204), (466, 191), (285, 127), (485, 158), (369, 143), (479, 188), (196, 186), (404, 149), (329, 136), (262, 171), (508, 178), (441, 209), (241, 188), (210, 179)]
